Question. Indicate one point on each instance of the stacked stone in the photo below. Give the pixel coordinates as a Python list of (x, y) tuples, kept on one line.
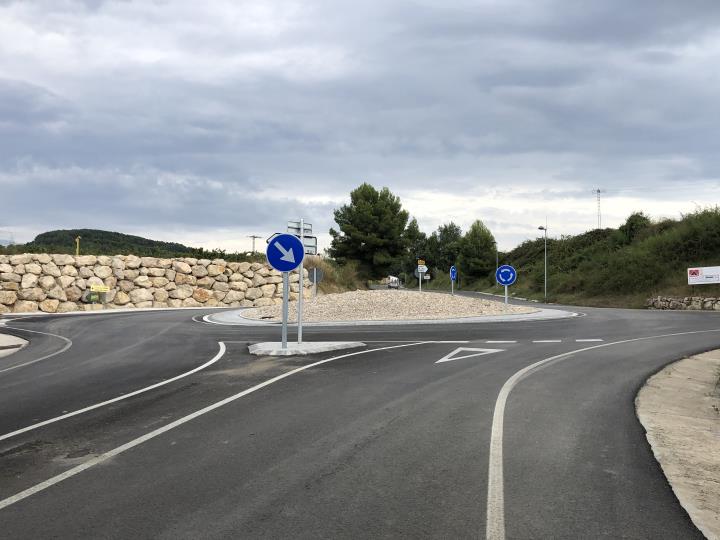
[(56, 283), (697, 303)]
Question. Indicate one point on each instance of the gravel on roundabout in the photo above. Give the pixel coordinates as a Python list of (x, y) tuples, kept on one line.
[(388, 305)]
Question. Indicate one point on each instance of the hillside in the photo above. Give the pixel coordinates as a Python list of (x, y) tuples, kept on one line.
[(97, 242), (623, 266)]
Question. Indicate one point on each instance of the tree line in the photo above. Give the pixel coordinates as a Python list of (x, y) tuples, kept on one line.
[(379, 236)]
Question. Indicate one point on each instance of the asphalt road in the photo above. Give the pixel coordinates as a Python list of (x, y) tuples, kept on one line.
[(376, 443)]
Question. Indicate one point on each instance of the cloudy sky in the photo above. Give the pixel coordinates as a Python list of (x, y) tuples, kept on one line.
[(204, 122)]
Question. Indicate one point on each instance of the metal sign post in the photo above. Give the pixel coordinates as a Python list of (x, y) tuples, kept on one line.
[(453, 277), (302, 283), (506, 299), (286, 299)]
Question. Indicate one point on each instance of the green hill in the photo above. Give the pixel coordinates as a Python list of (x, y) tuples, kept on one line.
[(621, 266), (96, 242)]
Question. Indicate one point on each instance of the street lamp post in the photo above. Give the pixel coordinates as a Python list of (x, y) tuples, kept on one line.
[(541, 228)]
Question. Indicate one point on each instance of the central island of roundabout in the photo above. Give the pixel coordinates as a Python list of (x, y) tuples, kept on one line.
[(379, 307)]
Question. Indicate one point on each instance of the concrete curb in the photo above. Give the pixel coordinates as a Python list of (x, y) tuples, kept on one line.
[(236, 318), (10, 344), (274, 348)]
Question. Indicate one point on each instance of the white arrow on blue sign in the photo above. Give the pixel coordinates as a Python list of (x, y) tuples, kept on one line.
[(285, 252), (453, 273), (506, 275)]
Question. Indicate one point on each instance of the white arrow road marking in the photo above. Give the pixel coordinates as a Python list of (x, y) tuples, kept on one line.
[(288, 254), (475, 352)]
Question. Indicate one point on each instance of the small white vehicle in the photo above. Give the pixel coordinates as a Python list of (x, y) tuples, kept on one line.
[(393, 282)]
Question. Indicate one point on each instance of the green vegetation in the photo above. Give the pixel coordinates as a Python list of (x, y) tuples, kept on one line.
[(371, 231), (624, 266), (96, 242)]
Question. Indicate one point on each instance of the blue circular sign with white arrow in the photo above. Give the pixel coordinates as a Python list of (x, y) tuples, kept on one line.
[(505, 275), (453, 273), (285, 252)]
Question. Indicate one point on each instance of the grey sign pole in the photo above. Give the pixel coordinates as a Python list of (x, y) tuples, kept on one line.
[(506, 294), (286, 298), (302, 282), (452, 287), (315, 282)]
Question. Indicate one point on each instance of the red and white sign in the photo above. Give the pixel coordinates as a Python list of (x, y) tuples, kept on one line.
[(705, 275)]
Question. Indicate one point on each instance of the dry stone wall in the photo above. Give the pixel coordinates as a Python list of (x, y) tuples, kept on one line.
[(688, 302), (60, 283)]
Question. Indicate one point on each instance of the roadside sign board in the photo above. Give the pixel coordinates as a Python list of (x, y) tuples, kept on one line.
[(285, 252), (705, 275), (310, 242), (316, 275), (421, 262), (453, 273), (293, 227), (505, 275), (422, 268), (99, 288)]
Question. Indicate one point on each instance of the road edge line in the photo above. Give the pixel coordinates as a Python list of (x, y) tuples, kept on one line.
[(89, 408), (172, 425), (495, 514), (68, 344)]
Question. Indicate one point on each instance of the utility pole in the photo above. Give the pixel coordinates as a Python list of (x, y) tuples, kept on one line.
[(253, 236), (597, 192), (77, 245)]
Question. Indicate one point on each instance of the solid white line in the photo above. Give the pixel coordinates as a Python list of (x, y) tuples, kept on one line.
[(68, 344), (587, 340), (172, 425), (501, 341), (210, 362), (547, 341), (495, 520)]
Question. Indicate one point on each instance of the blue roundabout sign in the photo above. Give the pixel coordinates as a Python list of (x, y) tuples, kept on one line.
[(453, 273), (505, 275), (285, 252)]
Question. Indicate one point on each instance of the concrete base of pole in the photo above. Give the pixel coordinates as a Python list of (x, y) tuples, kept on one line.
[(275, 348)]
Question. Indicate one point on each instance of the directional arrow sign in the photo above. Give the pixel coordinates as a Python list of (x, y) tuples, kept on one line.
[(473, 352), (285, 252)]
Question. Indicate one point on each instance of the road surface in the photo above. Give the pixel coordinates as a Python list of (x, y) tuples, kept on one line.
[(159, 425)]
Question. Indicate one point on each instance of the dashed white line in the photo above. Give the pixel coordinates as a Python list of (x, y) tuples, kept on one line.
[(547, 341), (214, 359), (172, 425), (587, 340), (500, 341)]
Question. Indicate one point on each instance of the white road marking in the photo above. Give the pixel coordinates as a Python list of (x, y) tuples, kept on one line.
[(501, 341), (495, 519), (68, 344), (172, 425), (587, 340), (210, 362), (475, 352), (547, 341)]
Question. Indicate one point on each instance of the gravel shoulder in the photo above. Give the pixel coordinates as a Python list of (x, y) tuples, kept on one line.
[(680, 410), (10, 344), (388, 306)]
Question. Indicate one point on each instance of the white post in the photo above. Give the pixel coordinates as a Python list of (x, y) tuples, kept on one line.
[(286, 298), (506, 300), (302, 281), (420, 280), (452, 286)]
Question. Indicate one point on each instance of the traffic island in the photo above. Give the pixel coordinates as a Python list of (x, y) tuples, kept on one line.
[(275, 348), (680, 410), (10, 344)]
